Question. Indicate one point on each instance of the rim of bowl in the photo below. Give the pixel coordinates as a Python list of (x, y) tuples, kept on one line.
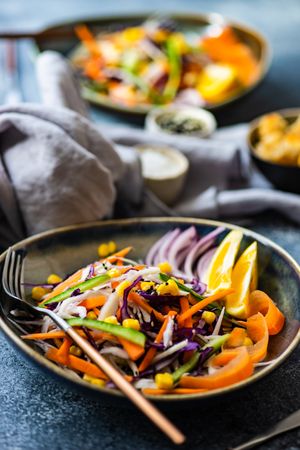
[(65, 376), (286, 113)]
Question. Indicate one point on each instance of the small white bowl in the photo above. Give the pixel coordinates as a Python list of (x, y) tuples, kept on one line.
[(206, 118), (164, 171)]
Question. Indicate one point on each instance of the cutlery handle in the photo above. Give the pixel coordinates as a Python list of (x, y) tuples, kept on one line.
[(133, 394), (289, 423)]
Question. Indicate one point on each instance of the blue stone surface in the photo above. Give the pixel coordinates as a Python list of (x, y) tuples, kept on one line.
[(39, 413)]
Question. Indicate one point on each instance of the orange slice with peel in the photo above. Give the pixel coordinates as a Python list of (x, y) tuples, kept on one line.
[(218, 274), (244, 280)]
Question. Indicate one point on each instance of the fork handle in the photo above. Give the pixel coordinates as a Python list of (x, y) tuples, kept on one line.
[(133, 394)]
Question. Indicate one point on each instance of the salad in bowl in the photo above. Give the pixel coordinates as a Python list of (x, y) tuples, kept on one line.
[(187, 319)]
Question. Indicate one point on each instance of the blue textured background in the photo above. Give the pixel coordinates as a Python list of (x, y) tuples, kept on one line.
[(39, 413)]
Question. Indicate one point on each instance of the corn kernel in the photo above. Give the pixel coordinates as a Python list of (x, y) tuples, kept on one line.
[(133, 34), (164, 380), (112, 319), (103, 250), (54, 279), (146, 285), (122, 286), (131, 323), (74, 350), (168, 288), (248, 341), (112, 247), (165, 267), (38, 292), (93, 380), (114, 273), (208, 317), (91, 315)]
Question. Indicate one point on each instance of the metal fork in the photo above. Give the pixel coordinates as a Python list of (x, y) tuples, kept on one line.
[(12, 281)]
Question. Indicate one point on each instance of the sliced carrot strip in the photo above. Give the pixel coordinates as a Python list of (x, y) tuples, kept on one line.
[(236, 338), (185, 306), (72, 280), (136, 298), (134, 351), (258, 331), (93, 302), (128, 378), (202, 304), (261, 302), (44, 336), (180, 391), (152, 350), (78, 364), (63, 351), (122, 253), (87, 39), (237, 367)]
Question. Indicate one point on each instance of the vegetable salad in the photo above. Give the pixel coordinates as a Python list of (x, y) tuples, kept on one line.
[(156, 64), (187, 320)]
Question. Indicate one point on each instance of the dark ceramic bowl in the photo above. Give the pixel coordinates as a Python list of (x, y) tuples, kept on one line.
[(64, 250), (286, 178), (61, 37)]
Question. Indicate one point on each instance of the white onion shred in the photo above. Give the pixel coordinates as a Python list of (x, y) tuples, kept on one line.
[(168, 333), (85, 273), (110, 306), (133, 367), (69, 307), (144, 383), (115, 351), (219, 322), (170, 351)]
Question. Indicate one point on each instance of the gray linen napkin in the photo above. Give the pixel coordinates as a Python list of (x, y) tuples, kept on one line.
[(56, 170)]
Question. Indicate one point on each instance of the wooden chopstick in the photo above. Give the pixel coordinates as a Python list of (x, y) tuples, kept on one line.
[(133, 394)]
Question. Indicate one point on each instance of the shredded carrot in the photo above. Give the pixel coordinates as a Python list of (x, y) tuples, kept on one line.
[(78, 364), (93, 302), (184, 305), (49, 335), (136, 298), (115, 284), (128, 378), (72, 280), (237, 366), (202, 304), (96, 311), (88, 40), (122, 253), (134, 351), (179, 391), (44, 336), (63, 351), (152, 350)]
